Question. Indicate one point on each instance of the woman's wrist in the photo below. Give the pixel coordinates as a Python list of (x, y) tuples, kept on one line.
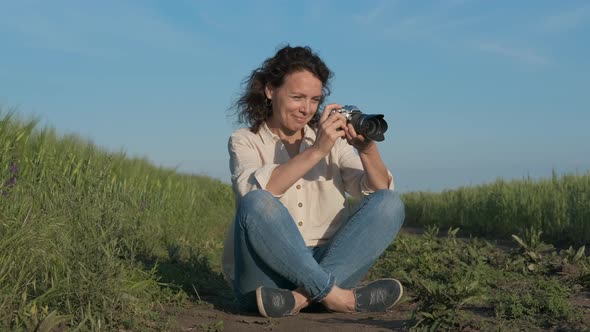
[(316, 153), (369, 149)]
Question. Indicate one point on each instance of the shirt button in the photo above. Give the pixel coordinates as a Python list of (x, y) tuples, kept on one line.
[(300, 223), (300, 204), (298, 186)]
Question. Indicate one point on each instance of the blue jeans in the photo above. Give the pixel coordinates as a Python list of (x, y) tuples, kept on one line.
[(270, 251)]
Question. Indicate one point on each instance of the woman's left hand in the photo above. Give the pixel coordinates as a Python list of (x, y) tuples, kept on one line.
[(360, 142)]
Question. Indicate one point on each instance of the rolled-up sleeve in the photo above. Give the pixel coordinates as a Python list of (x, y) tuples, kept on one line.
[(355, 180), (247, 171), (365, 189)]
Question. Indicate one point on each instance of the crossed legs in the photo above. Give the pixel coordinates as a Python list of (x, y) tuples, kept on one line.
[(270, 252)]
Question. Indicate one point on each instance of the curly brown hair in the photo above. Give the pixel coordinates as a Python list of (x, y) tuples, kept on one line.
[(252, 107)]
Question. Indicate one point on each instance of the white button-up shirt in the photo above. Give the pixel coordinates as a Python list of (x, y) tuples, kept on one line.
[(317, 201)]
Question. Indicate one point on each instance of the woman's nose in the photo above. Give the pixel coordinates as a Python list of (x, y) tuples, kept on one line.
[(308, 106)]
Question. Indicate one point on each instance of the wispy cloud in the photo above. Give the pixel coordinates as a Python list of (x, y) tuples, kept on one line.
[(402, 21), (372, 14), (446, 22), (457, 2), (426, 26), (568, 20), (314, 10), (527, 56), (104, 31)]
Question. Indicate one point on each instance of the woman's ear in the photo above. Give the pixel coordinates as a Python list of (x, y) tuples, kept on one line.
[(268, 91)]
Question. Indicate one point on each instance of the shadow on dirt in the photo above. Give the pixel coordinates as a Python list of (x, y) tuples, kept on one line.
[(194, 275), (393, 325)]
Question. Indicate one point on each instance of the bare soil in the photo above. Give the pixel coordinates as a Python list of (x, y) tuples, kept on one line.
[(204, 318), (218, 314)]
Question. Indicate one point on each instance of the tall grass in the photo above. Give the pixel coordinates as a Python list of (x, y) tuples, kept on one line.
[(95, 240), (558, 206), (84, 233)]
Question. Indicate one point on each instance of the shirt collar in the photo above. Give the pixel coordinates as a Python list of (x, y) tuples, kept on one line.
[(269, 137)]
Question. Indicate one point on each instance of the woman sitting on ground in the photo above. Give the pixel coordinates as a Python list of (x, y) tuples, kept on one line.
[(294, 241)]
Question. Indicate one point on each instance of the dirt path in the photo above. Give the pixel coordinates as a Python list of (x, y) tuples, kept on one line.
[(222, 317), (203, 318), (219, 313), (206, 318)]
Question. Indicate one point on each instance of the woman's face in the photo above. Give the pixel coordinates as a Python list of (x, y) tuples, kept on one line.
[(295, 102)]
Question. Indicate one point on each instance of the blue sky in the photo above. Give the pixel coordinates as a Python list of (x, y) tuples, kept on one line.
[(472, 90)]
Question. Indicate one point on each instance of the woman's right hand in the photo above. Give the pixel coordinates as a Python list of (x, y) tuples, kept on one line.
[(331, 127)]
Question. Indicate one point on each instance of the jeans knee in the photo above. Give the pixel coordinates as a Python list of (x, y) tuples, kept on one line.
[(258, 206), (390, 205)]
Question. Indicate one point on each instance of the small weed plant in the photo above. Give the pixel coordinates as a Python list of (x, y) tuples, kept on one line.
[(466, 284)]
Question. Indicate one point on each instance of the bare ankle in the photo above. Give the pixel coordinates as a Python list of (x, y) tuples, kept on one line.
[(339, 300), (301, 300)]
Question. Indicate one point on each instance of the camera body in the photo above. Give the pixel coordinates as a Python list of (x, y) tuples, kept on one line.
[(371, 126)]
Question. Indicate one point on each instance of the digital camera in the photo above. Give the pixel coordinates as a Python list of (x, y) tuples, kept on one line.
[(371, 126)]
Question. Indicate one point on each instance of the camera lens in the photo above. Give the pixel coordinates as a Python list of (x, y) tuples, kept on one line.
[(369, 126), (372, 126)]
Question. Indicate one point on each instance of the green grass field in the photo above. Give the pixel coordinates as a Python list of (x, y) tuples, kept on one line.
[(95, 240), (558, 206)]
